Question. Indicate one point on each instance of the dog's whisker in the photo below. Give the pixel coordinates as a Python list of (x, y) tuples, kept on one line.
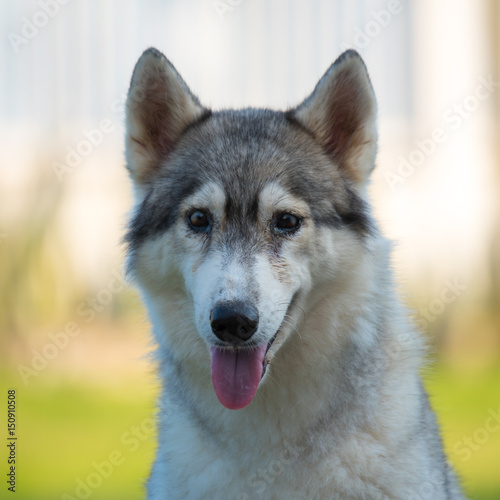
[(287, 322)]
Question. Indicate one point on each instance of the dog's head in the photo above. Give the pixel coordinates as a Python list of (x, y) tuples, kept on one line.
[(240, 213)]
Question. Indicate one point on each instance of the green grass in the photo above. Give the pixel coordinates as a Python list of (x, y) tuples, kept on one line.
[(64, 427), (463, 401)]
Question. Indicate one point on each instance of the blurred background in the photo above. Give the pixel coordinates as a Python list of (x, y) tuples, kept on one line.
[(74, 336)]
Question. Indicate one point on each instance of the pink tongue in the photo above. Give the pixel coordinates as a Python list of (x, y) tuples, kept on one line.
[(236, 374)]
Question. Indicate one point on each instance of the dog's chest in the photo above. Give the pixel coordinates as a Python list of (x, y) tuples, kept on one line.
[(195, 465)]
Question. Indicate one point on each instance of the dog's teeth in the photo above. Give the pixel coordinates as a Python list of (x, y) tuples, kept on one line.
[(264, 367)]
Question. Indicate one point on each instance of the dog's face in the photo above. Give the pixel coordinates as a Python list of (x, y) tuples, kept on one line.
[(240, 212)]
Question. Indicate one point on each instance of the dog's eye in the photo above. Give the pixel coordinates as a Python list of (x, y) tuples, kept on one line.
[(286, 223), (198, 220)]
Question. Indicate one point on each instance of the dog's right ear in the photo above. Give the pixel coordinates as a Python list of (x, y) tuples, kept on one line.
[(159, 108)]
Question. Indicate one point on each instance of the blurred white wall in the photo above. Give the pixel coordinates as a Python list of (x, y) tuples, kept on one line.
[(258, 52), (446, 206), (65, 66)]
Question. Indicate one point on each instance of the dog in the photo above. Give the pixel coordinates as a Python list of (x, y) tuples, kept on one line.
[(289, 368)]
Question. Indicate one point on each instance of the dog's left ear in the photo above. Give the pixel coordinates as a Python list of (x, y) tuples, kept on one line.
[(341, 114)]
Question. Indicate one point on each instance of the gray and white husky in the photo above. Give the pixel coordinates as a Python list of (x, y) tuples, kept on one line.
[(289, 368)]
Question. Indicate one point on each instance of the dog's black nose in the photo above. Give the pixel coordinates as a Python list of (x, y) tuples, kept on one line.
[(234, 322)]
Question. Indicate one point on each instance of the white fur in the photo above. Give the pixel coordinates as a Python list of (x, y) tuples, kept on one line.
[(279, 447)]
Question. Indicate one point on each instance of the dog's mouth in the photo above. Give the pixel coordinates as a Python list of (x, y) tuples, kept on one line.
[(237, 371), (266, 360)]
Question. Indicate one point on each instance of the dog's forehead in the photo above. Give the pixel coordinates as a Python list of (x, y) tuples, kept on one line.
[(247, 150)]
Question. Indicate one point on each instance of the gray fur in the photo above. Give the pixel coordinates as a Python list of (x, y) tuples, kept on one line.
[(340, 411)]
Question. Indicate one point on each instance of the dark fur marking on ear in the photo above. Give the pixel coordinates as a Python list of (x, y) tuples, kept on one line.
[(292, 120), (207, 113), (190, 126)]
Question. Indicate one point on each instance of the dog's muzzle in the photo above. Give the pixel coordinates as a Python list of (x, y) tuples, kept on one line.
[(236, 367)]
